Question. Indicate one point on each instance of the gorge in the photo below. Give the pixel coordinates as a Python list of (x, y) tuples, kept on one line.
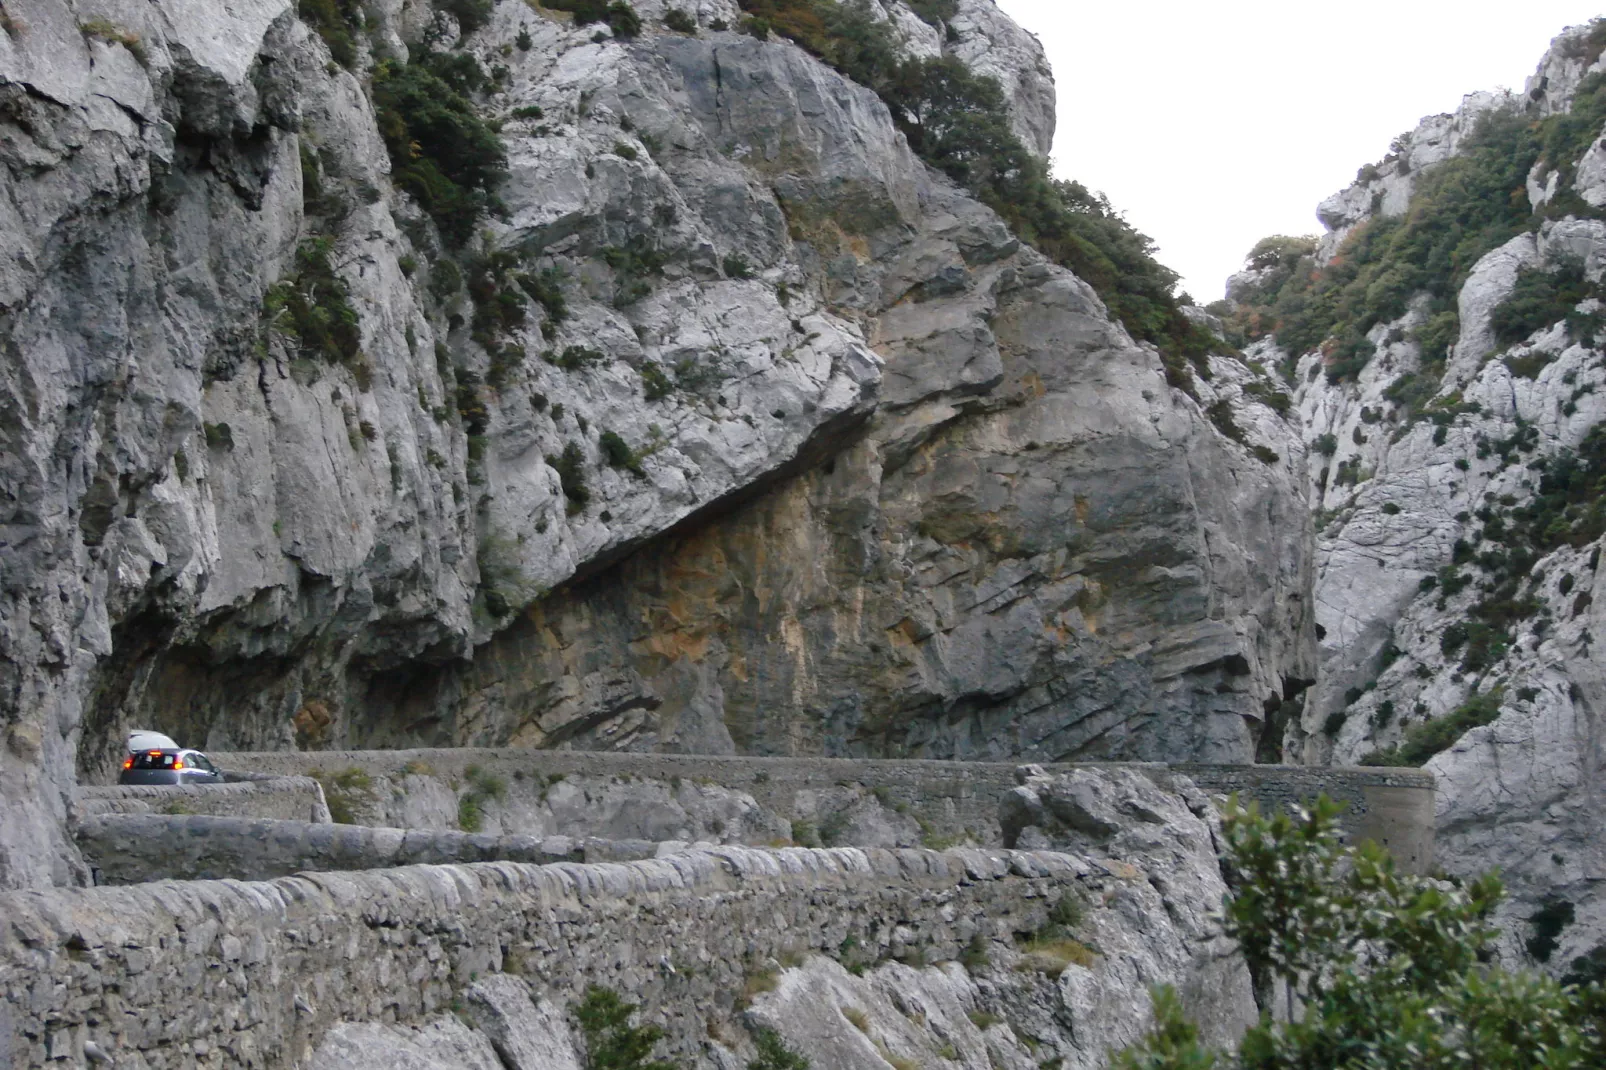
[(731, 379)]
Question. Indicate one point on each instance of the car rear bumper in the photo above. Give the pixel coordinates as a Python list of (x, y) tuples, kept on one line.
[(150, 776)]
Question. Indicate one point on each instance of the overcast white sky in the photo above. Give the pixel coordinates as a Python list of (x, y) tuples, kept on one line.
[(1213, 124)]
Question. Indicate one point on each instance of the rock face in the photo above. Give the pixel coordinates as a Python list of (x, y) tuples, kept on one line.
[(821, 459), (1409, 509)]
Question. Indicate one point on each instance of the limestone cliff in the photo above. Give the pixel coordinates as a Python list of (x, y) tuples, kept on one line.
[(728, 424), (1447, 368)]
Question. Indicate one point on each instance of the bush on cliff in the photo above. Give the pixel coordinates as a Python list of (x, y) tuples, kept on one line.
[(612, 1043), (441, 151), (1389, 969)]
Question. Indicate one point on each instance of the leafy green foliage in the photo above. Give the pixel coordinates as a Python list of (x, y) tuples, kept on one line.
[(1540, 298), (680, 21), (1173, 1044), (957, 121), (1422, 741), (612, 1043), (617, 452), (312, 306), (441, 151), (336, 21), (1387, 967), (773, 1054), (1566, 137), (655, 383), (633, 263), (1459, 211), (570, 466)]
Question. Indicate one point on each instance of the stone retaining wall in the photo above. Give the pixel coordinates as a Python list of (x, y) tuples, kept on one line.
[(213, 973), (950, 799), (282, 797), (131, 848)]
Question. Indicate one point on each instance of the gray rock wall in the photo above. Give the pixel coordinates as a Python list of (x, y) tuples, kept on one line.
[(261, 974), (1010, 537)]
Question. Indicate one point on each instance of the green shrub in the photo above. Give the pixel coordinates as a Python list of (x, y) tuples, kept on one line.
[(336, 21), (1388, 970), (1540, 298), (499, 300), (654, 383), (611, 1042), (219, 436), (773, 1054), (680, 21), (1220, 414), (736, 267), (471, 408), (1422, 741), (546, 289), (617, 452), (574, 358), (570, 466), (633, 263), (441, 151), (345, 793), (312, 306)]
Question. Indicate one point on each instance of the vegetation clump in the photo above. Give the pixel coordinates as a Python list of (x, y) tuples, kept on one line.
[(337, 22), (1422, 741), (1541, 297), (570, 467), (1388, 970), (617, 452), (346, 793), (313, 307), (611, 1042), (483, 788), (773, 1054), (441, 151), (633, 263)]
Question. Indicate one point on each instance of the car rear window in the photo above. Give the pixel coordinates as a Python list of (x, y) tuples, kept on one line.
[(154, 761)]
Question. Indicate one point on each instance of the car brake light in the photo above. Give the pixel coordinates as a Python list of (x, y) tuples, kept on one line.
[(128, 763), (154, 753), (178, 763)]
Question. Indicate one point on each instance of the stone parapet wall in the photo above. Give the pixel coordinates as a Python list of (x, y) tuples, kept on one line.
[(950, 799), (1392, 806), (284, 797), (211, 973), (131, 848)]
